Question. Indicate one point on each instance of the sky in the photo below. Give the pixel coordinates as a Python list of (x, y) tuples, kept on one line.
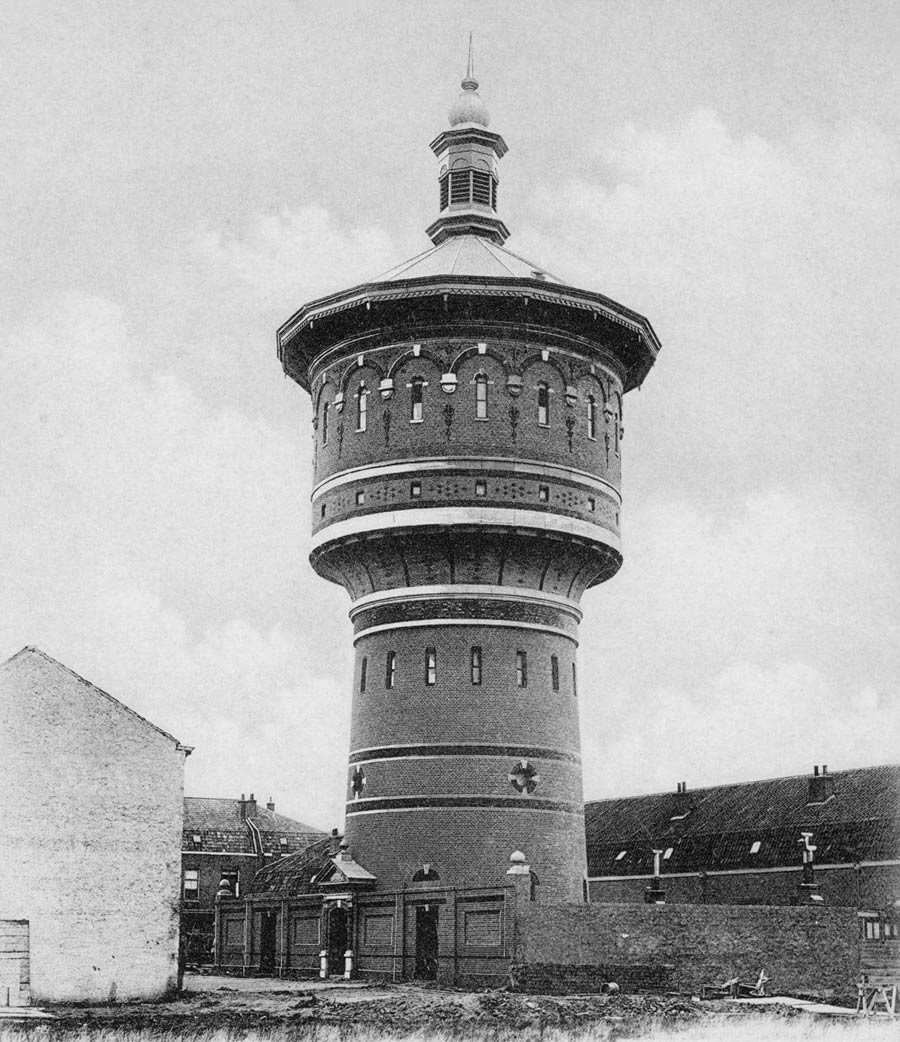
[(178, 178)]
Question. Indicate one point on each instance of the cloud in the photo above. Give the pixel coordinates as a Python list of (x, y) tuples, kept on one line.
[(738, 645), (289, 257), (145, 537), (769, 269), (747, 721)]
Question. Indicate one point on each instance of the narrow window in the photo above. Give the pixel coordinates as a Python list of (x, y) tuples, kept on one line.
[(191, 884), (415, 490), (543, 405), (521, 669), (476, 665), (360, 498), (415, 408), (325, 424), (430, 666), (592, 417), (481, 397), (323, 509), (543, 493), (361, 409), (554, 672), (390, 669), (363, 669), (480, 488), (493, 193), (445, 191), (592, 504), (574, 680)]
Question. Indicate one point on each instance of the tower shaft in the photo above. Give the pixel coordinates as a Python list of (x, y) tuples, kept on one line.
[(468, 421)]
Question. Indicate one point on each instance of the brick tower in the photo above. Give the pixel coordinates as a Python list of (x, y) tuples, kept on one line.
[(467, 408)]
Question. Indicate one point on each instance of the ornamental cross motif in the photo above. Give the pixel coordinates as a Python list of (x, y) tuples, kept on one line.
[(524, 777)]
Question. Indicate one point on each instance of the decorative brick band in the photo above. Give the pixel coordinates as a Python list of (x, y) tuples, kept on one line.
[(436, 610), (397, 752), (483, 466), (401, 803)]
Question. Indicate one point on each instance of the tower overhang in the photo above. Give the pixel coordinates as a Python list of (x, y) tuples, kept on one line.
[(416, 306)]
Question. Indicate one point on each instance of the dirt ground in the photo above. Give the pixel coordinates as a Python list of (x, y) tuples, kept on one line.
[(209, 1002)]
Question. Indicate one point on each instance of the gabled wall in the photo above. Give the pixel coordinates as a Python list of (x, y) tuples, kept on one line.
[(91, 836)]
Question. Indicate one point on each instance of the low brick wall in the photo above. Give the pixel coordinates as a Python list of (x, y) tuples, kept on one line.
[(810, 951)]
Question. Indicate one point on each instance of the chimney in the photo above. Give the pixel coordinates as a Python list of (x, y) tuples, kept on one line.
[(248, 807), (683, 801), (335, 845), (821, 785), (271, 805)]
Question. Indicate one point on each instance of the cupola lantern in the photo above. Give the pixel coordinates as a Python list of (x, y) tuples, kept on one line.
[(469, 155)]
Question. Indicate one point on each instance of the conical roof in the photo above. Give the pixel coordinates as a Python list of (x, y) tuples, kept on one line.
[(467, 255)]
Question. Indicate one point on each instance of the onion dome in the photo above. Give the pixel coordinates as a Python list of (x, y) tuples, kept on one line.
[(468, 107)]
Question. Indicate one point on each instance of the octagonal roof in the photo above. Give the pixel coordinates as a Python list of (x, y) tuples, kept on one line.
[(467, 255)]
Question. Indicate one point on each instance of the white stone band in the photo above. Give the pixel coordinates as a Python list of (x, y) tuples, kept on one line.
[(420, 623), (487, 517)]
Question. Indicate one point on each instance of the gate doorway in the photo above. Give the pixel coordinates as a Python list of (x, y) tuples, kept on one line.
[(337, 941), (268, 932), (426, 942)]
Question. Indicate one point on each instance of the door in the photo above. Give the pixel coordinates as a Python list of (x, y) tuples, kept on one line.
[(337, 941), (268, 933), (426, 942)]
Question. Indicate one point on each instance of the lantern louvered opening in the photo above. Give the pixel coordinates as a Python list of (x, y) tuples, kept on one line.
[(468, 186)]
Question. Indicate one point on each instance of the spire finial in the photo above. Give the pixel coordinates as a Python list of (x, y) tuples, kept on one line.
[(470, 83)]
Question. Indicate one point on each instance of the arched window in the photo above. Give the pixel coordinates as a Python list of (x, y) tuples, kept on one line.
[(481, 397), (325, 423), (592, 416), (390, 669), (361, 396), (416, 400), (476, 665), (521, 669), (543, 399)]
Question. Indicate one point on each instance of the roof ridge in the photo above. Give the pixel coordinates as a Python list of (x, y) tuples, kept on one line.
[(34, 650), (738, 784)]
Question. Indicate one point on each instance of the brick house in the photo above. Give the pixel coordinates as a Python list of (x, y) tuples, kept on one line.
[(227, 839), (744, 843), (89, 846)]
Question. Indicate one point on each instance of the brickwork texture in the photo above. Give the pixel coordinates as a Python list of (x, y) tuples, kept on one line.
[(803, 950)]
